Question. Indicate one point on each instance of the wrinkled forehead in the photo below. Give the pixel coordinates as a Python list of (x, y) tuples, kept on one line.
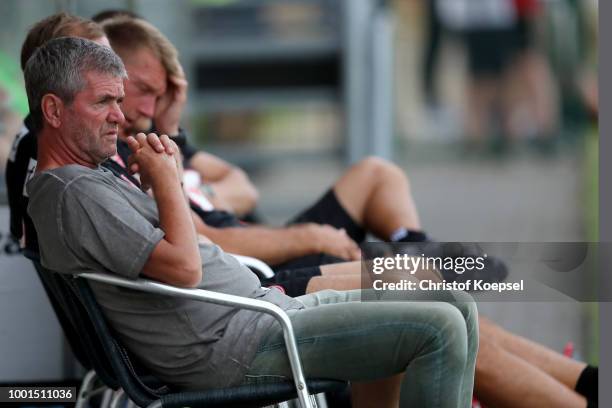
[(102, 84), (146, 71)]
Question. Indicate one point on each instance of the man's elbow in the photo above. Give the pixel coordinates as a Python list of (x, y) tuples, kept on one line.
[(248, 202), (189, 274), (250, 195)]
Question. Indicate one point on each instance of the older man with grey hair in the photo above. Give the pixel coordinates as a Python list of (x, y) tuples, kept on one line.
[(89, 220)]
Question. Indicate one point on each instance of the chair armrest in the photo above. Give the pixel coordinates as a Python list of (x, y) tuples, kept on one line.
[(146, 285), (261, 268)]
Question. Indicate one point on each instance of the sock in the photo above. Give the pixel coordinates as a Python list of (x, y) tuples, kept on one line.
[(587, 383), (405, 235)]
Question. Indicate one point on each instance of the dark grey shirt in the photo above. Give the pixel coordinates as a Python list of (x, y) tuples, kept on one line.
[(88, 220)]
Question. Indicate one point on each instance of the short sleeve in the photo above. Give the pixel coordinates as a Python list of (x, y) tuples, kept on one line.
[(104, 229)]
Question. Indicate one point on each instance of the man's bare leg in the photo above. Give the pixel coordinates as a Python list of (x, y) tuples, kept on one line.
[(348, 276), (506, 380), (340, 276), (334, 282), (562, 368), (376, 194), (482, 95), (384, 393)]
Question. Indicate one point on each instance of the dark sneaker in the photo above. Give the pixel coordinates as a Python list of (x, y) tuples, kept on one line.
[(494, 269)]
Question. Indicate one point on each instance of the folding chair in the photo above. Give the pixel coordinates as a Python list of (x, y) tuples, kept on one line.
[(113, 362)]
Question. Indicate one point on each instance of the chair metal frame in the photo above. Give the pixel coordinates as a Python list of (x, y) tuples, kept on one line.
[(259, 267), (146, 285), (110, 382)]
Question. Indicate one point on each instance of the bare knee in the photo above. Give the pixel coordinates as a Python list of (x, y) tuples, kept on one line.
[(375, 164), (361, 179), (380, 169), (355, 188)]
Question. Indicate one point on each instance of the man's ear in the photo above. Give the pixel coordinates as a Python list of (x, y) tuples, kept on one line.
[(52, 110)]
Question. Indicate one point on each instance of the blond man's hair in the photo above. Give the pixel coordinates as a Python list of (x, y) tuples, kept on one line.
[(127, 34)]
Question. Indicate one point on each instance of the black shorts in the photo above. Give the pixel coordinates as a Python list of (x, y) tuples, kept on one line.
[(328, 210), (489, 51), (295, 274), (293, 281), (524, 35)]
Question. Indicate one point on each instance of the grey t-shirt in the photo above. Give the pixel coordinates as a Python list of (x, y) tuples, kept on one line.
[(88, 220)]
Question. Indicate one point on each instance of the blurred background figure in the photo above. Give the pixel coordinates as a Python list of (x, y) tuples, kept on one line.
[(510, 94), (10, 121), (533, 94), (13, 104)]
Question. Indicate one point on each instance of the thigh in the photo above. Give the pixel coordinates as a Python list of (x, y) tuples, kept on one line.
[(341, 337)]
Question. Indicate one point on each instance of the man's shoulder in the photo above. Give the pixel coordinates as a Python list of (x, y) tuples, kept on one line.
[(73, 171), (68, 174), (64, 177)]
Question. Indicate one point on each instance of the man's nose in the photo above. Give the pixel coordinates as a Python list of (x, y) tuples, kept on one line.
[(147, 106), (116, 115)]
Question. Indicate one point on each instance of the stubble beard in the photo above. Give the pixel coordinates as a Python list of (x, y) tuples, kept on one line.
[(92, 144)]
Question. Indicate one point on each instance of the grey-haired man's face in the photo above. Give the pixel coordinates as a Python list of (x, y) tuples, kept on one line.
[(93, 118)]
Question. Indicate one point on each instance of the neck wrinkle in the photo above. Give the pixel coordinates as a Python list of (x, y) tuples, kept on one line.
[(53, 153)]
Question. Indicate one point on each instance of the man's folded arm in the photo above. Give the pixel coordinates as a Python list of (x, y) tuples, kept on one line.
[(176, 258), (168, 263)]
